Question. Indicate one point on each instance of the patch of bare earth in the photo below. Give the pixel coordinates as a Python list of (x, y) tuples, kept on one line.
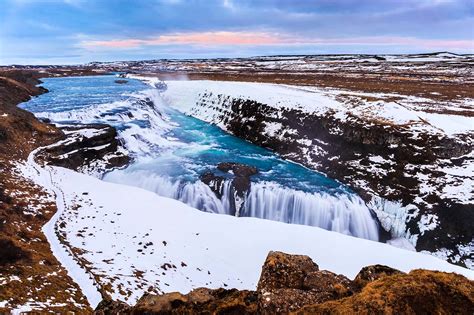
[(31, 278)]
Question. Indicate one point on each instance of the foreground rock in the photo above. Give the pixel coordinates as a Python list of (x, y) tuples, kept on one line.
[(419, 292), (294, 284), (289, 282)]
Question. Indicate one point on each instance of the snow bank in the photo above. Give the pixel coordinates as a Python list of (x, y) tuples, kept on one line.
[(183, 95), (407, 111), (135, 239)]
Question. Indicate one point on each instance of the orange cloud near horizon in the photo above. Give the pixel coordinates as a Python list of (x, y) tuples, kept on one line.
[(264, 38), (202, 38)]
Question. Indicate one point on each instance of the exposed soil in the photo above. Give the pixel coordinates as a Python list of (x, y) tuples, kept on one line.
[(362, 82), (30, 275)]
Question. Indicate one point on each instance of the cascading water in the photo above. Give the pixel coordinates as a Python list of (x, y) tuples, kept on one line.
[(341, 213), (171, 150)]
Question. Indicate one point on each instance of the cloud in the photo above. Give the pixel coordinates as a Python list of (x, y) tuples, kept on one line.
[(228, 4), (192, 38), (256, 39), (146, 29)]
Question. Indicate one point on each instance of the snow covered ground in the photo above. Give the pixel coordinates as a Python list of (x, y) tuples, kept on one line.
[(131, 241), (439, 64), (405, 110)]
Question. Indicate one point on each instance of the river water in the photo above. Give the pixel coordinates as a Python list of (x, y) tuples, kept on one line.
[(171, 150)]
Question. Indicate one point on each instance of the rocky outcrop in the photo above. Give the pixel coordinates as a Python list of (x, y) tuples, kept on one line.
[(238, 175), (289, 282), (419, 292), (294, 284), (241, 173), (20, 131), (91, 147)]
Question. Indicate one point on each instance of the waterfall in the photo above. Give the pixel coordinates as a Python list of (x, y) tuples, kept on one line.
[(343, 213), (198, 195)]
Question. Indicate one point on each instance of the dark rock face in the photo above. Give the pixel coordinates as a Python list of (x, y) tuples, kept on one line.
[(239, 186), (294, 284), (79, 152), (110, 307), (11, 253), (214, 182), (121, 81), (341, 149), (242, 173)]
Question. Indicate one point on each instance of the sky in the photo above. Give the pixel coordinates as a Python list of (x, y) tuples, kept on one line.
[(80, 31)]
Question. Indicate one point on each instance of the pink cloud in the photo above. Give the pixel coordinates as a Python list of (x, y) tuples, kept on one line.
[(263, 38), (202, 38)]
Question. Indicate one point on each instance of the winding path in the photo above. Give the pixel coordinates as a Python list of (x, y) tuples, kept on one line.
[(45, 176)]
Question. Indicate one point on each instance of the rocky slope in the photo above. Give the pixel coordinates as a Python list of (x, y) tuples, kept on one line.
[(30, 275), (295, 284)]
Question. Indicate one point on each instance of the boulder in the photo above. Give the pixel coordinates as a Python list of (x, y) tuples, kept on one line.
[(110, 307), (332, 285), (198, 301), (282, 270), (288, 282), (419, 292), (372, 273)]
